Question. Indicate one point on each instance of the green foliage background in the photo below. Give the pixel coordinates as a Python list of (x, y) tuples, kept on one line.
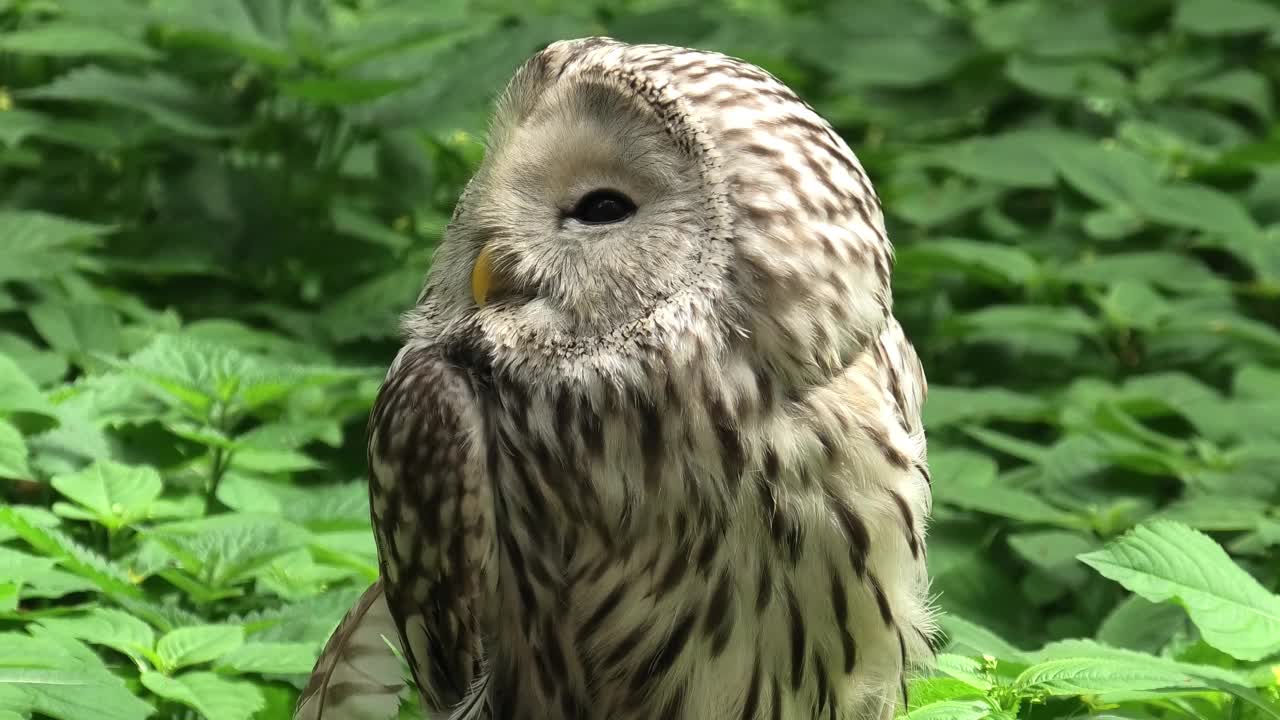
[(213, 211)]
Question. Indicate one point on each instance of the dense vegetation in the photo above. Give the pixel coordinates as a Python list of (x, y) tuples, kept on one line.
[(213, 211)]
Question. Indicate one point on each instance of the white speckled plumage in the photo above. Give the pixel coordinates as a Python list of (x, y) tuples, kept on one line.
[(678, 470)]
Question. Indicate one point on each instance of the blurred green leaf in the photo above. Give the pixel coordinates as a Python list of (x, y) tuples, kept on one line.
[(75, 40), (1015, 159), (167, 100), (13, 452), (39, 245), (982, 260), (79, 330), (948, 405), (1218, 17)]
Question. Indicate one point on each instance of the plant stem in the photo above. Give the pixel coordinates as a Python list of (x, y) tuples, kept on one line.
[(217, 468), (220, 459)]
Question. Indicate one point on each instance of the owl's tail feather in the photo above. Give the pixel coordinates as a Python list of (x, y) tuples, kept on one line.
[(476, 705), (358, 675)]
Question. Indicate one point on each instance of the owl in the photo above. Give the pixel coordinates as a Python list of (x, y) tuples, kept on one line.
[(652, 447)]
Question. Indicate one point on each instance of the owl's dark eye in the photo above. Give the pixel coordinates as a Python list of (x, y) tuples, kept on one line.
[(601, 207)]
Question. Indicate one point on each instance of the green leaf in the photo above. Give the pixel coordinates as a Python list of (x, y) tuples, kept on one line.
[(64, 39), (1139, 624), (118, 495), (78, 330), (339, 506), (952, 710), (110, 578), (43, 366), (108, 627), (167, 100), (297, 575), (215, 697), (1035, 329), (951, 405), (18, 394), (921, 201), (344, 91), (361, 311), (1226, 17), (40, 245), (1167, 270), (272, 462), (1216, 512), (355, 222), (1109, 175), (233, 26), (227, 550), (966, 670), (1007, 502), (200, 644), (195, 374), (928, 691), (1051, 550), (1068, 80), (17, 124), (1113, 222), (1092, 676), (13, 453), (1080, 649), (37, 576), (1014, 159), (983, 260), (1257, 381), (908, 62), (970, 638), (271, 658), (1132, 304), (1195, 207), (1239, 86), (1165, 560), (59, 677)]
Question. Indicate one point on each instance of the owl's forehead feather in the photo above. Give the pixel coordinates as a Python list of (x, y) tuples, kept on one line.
[(785, 168), (768, 138), (789, 226)]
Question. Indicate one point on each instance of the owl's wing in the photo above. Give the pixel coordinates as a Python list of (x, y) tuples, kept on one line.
[(432, 507), (357, 676)]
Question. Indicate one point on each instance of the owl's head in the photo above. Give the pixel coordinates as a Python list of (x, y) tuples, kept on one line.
[(644, 206)]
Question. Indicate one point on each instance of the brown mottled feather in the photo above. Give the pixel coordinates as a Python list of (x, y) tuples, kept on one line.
[(358, 674)]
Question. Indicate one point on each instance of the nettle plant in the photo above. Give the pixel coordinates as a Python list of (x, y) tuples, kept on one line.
[(213, 211)]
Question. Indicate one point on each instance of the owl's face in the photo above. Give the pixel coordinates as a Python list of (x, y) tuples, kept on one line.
[(584, 217), (643, 205)]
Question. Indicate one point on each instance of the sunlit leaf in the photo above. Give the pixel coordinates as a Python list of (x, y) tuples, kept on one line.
[(109, 627), (110, 578), (216, 697), (200, 644), (118, 495), (1165, 560)]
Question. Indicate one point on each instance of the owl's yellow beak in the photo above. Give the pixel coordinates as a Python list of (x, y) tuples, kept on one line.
[(482, 276)]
